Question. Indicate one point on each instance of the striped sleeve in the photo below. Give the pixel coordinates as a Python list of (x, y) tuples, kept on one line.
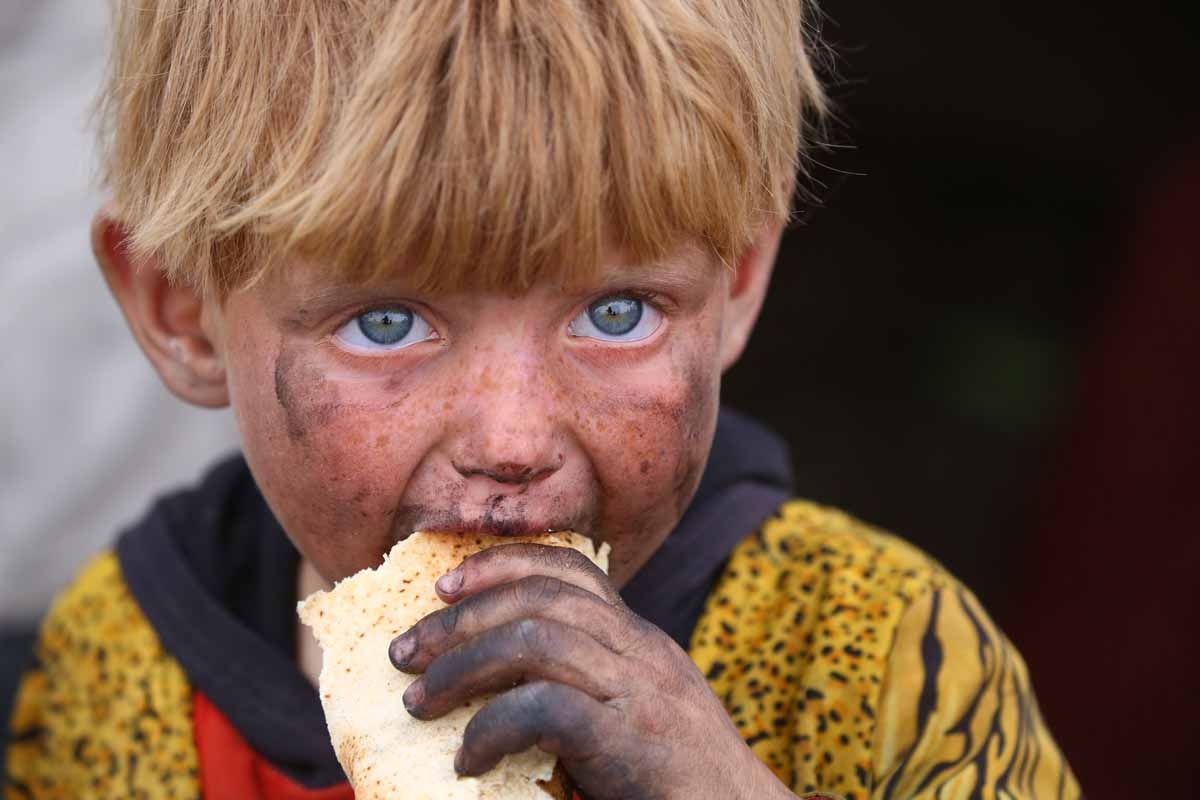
[(957, 715)]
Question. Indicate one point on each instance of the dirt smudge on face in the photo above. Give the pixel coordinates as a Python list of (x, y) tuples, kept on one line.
[(307, 399), (696, 421)]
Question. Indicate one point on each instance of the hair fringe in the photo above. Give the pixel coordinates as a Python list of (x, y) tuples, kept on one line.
[(469, 143)]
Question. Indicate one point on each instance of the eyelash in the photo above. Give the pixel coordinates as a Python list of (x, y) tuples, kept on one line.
[(645, 295)]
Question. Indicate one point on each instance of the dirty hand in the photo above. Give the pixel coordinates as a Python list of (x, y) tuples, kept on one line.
[(583, 677)]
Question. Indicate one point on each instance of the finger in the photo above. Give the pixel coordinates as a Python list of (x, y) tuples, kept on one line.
[(500, 658), (510, 562), (534, 596), (559, 719)]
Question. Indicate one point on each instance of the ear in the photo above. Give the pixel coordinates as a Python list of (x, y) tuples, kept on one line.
[(174, 326), (747, 290)]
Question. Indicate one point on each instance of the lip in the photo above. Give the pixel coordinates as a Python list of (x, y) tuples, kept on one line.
[(409, 520), (492, 529)]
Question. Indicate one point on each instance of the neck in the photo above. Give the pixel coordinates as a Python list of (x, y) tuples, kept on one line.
[(308, 652)]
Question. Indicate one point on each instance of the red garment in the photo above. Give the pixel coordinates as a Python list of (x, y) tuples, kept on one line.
[(230, 768)]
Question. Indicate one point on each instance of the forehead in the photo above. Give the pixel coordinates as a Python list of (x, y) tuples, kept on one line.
[(688, 268)]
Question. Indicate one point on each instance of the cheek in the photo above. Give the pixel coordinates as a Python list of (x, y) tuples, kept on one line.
[(332, 457), (649, 446), (671, 434), (307, 400)]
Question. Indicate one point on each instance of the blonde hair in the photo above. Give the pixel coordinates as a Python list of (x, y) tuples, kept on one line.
[(482, 143)]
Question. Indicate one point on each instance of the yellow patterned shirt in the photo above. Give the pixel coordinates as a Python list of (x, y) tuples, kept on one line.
[(851, 663)]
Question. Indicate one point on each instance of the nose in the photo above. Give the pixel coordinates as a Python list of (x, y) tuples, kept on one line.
[(507, 472), (511, 437)]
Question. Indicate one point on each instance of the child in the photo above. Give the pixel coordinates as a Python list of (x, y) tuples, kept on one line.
[(479, 265)]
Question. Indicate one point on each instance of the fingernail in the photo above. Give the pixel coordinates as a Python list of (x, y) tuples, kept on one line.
[(413, 696), (451, 582), (402, 650)]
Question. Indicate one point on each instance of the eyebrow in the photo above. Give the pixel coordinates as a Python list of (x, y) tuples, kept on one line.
[(313, 304), (672, 274)]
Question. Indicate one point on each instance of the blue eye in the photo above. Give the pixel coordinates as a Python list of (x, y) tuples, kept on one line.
[(617, 318), (386, 327), (391, 328)]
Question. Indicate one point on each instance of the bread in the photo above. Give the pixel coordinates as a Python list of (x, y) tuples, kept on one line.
[(386, 752)]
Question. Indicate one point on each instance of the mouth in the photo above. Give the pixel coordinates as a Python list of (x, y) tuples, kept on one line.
[(410, 519)]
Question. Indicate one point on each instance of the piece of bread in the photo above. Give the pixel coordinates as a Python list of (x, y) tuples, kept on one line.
[(386, 752)]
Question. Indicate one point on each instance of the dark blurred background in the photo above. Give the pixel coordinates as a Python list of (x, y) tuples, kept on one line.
[(985, 339)]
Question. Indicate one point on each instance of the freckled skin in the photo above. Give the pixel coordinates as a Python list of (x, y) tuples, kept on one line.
[(506, 423)]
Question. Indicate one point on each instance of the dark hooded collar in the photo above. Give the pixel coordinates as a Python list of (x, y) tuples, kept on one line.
[(215, 575)]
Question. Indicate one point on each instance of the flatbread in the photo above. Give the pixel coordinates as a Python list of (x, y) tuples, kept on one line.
[(385, 751)]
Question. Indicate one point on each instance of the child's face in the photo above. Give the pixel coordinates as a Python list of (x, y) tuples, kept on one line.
[(368, 413)]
